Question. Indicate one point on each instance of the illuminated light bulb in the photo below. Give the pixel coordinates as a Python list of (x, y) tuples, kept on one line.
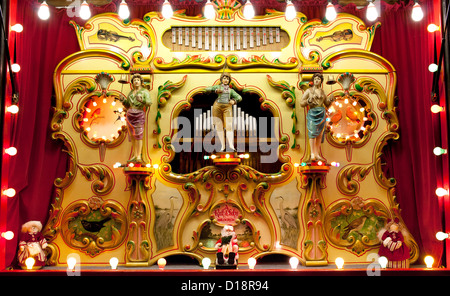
[(429, 261), (293, 262), (277, 245), (71, 262), (210, 13), (88, 110), (113, 103), (131, 165), (441, 235), (145, 51), (113, 262), (117, 165), (124, 12), (167, 11), (104, 101), (11, 151), (383, 261), (95, 104), (290, 13), (436, 108), (213, 156), (433, 67), (251, 263), (29, 262), (162, 263), (88, 129), (206, 262), (346, 101), (417, 13), (249, 11), (247, 155), (85, 12), (10, 192), (330, 13), (18, 28), (339, 262), (44, 11), (15, 68), (85, 119), (227, 155), (371, 13), (439, 151), (296, 164), (441, 192), (432, 28), (8, 235), (319, 162), (155, 166)]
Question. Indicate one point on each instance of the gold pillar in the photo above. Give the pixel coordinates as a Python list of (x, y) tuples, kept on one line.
[(314, 245), (138, 244)]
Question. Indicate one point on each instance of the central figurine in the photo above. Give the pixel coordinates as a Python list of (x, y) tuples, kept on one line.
[(222, 110)]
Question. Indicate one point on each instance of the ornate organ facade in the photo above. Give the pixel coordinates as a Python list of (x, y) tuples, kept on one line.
[(177, 200)]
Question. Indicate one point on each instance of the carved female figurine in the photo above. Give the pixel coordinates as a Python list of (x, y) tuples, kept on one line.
[(222, 109), (318, 102), (136, 103)]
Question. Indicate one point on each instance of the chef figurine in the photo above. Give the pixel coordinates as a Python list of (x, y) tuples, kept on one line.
[(32, 244)]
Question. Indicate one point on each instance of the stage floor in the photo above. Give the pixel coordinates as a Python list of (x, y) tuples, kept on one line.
[(271, 268), (270, 278)]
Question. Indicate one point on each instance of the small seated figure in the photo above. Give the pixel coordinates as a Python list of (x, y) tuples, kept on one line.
[(32, 244), (393, 245), (227, 247)]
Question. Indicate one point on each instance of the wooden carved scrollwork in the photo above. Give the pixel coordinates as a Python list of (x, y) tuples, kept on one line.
[(94, 225)]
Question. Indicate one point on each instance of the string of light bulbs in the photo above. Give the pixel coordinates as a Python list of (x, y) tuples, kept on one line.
[(248, 11)]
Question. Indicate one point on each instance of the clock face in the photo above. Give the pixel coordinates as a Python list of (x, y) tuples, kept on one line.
[(348, 119), (103, 118)]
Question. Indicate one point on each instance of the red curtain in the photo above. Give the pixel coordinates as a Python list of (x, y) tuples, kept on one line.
[(407, 45)]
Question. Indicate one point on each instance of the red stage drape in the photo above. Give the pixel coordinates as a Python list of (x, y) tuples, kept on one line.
[(407, 45)]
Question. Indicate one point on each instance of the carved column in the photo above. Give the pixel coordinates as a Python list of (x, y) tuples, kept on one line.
[(314, 245), (138, 244)]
